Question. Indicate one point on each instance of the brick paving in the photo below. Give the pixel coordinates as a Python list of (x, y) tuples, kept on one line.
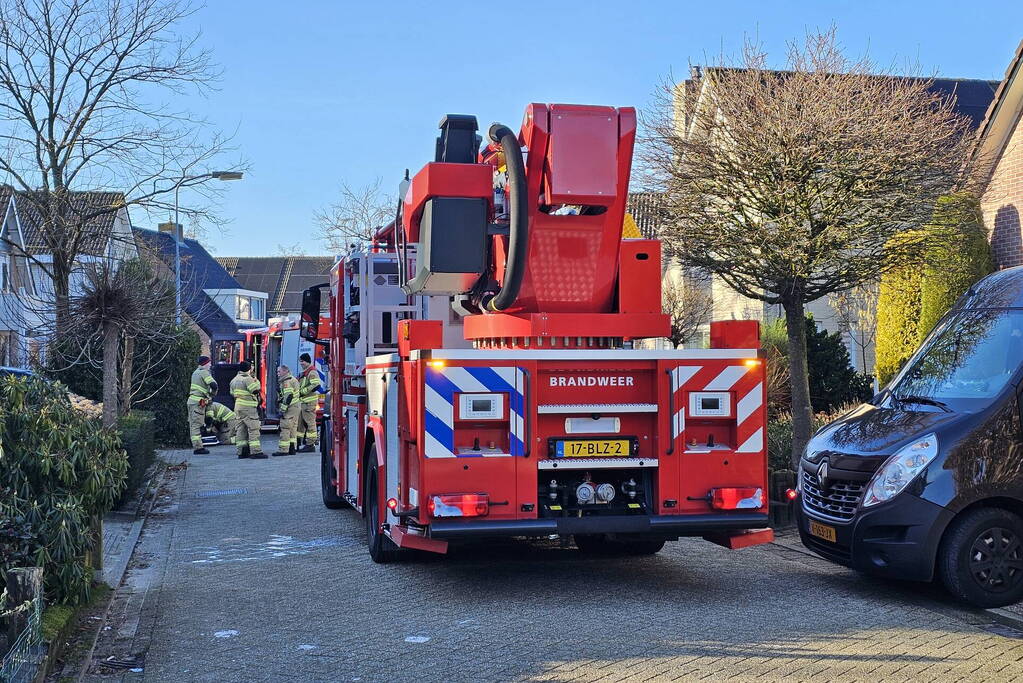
[(251, 579)]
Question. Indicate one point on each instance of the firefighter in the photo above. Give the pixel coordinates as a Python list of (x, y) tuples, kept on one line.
[(290, 407), (309, 395), (200, 394), (222, 420), (245, 389)]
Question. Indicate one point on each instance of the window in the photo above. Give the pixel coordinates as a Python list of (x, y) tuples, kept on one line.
[(970, 357), (5, 277), (250, 308)]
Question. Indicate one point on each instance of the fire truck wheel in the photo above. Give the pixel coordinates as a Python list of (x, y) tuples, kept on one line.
[(600, 544), (327, 489), (381, 549)]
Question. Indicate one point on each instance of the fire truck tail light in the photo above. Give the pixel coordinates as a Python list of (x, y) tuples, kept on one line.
[(737, 498), (392, 503), (459, 505)]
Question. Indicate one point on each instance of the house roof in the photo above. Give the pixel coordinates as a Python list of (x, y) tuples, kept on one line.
[(1000, 119), (972, 96), (284, 278), (96, 231), (199, 271)]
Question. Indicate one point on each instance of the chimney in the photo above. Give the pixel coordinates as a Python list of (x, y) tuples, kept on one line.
[(172, 229)]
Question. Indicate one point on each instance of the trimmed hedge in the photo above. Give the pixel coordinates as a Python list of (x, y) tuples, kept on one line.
[(898, 315), (138, 434), (959, 258)]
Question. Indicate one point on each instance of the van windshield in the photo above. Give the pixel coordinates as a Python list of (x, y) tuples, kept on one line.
[(971, 356)]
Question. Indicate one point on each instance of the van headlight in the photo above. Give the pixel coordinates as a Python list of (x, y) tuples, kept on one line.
[(900, 469)]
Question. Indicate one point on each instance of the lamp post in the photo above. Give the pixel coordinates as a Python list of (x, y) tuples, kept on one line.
[(218, 175)]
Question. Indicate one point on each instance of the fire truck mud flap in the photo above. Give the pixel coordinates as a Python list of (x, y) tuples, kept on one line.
[(709, 525)]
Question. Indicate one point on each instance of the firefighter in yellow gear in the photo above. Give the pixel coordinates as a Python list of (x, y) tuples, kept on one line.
[(309, 395), (200, 395), (289, 407), (245, 389), (222, 420)]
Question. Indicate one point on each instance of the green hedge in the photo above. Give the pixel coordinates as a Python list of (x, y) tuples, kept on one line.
[(138, 434), (898, 315), (960, 256)]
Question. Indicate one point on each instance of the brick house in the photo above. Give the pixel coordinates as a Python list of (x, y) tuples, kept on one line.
[(998, 166)]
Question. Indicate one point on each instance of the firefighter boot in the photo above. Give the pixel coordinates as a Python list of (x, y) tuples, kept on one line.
[(201, 451), (291, 449), (243, 453), (257, 456)]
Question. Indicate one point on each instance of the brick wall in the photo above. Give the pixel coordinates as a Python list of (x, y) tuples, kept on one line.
[(1002, 202)]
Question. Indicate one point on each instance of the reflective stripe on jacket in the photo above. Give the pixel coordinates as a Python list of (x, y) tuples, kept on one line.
[(289, 391), (245, 390), (308, 388), (219, 413), (203, 385)]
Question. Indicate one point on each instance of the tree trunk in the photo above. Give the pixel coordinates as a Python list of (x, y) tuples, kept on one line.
[(799, 378), (127, 372), (61, 301), (111, 342)]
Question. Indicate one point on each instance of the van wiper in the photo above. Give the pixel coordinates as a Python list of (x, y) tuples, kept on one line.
[(923, 400)]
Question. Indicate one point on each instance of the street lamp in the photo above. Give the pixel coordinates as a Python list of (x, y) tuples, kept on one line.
[(217, 175)]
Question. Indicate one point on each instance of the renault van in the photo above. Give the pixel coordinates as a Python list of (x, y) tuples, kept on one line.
[(926, 480)]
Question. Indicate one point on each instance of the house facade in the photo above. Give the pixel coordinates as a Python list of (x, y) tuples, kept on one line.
[(284, 278), (218, 306), (26, 290), (998, 166)]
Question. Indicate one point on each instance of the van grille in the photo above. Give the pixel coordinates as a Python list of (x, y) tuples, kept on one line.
[(838, 500)]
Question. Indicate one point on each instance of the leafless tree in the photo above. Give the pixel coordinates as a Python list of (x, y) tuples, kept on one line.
[(81, 90), (856, 311), (355, 217), (789, 185), (687, 305)]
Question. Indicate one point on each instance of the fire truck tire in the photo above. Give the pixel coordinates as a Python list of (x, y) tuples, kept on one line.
[(381, 549), (600, 544), (328, 491)]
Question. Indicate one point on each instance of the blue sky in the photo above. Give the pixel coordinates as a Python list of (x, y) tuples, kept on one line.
[(322, 91)]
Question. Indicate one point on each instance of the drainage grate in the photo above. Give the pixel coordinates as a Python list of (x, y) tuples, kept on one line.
[(222, 492)]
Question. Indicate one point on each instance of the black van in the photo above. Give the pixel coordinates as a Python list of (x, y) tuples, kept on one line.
[(926, 480)]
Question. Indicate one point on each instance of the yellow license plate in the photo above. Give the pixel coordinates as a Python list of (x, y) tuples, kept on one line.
[(592, 448), (823, 531)]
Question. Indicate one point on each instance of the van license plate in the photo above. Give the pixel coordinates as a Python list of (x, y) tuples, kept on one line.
[(591, 448), (823, 531)]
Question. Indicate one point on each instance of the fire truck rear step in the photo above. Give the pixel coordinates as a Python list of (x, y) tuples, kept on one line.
[(662, 525)]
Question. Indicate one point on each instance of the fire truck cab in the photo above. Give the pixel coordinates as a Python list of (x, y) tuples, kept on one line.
[(485, 377)]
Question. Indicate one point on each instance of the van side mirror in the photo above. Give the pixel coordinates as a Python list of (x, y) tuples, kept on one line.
[(309, 327)]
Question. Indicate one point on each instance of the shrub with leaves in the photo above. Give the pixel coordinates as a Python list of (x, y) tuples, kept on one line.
[(779, 436), (59, 469)]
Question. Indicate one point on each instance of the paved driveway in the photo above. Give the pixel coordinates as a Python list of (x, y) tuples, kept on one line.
[(248, 577)]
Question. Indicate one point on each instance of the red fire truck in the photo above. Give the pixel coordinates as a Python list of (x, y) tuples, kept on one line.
[(485, 377)]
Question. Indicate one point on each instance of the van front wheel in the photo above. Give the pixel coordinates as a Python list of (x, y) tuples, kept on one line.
[(981, 558)]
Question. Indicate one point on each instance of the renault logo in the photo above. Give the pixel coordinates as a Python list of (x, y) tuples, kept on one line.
[(822, 474)]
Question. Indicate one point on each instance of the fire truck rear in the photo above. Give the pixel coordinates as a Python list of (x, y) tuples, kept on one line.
[(485, 379)]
